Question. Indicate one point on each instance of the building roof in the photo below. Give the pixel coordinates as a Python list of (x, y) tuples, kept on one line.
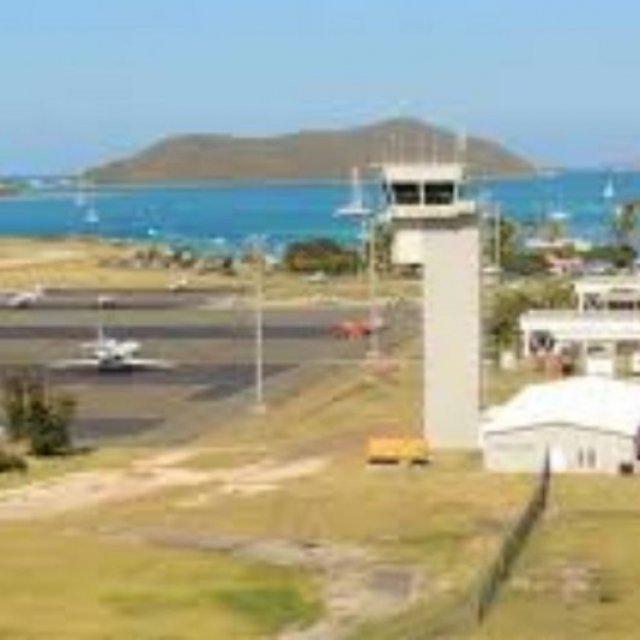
[(587, 402), (422, 172), (606, 284)]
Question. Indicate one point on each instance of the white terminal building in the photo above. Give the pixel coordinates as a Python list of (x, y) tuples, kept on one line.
[(589, 423), (585, 424), (436, 227), (606, 317)]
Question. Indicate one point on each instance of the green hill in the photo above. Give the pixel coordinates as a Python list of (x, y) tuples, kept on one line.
[(307, 155)]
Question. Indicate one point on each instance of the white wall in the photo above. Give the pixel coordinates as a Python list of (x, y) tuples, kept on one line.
[(452, 334), (573, 449)]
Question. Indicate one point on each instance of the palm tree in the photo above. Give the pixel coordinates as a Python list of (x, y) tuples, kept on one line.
[(624, 227), (624, 223)]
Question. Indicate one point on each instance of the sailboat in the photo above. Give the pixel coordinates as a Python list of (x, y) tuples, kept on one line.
[(91, 217), (80, 199), (609, 191), (355, 207)]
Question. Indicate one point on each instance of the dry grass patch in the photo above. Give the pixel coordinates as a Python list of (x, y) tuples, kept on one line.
[(578, 578), (67, 586)]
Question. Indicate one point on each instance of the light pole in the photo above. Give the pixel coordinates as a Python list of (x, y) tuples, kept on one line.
[(374, 338), (494, 217), (491, 214), (258, 257), (356, 210)]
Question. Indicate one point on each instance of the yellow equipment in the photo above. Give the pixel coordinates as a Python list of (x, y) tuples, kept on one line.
[(397, 450)]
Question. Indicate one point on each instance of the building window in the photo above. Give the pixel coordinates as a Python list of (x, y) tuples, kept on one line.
[(406, 193), (581, 460), (439, 193), (592, 459)]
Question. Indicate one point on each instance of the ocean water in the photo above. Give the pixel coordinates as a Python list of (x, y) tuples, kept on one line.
[(216, 217)]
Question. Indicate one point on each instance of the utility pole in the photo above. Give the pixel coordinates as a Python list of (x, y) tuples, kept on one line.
[(497, 240), (357, 210), (374, 320), (260, 406)]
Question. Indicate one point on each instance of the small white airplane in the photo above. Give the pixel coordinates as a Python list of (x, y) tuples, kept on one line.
[(180, 284), (110, 354), (25, 299), (106, 301)]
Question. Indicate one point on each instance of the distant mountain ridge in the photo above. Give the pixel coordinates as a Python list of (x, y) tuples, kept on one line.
[(306, 155)]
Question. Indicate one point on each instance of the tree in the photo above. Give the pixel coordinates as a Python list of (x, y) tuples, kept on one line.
[(49, 425), (15, 393), (553, 229), (37, 414), (506, 238), (624, 228), (320, 254), (509, 303), (506, 309), (382, 247)]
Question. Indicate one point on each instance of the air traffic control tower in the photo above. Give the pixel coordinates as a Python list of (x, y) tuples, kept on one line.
[(434, 226)]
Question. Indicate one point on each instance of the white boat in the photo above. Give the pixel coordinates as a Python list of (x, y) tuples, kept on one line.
[(91, 217), (80, 199), (609, 191), (558, 215), (355, 207)]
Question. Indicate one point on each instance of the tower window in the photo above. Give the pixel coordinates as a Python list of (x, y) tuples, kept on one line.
[(406, 193), (439, 193)]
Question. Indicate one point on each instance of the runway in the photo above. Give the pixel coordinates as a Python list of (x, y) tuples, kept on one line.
[(75, 299), (164, 332), (214, 356)]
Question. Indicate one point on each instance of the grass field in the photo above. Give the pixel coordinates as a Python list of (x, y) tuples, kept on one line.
[(578, 576), (439, 523), (84, 263), (62, 585), (273, 488)]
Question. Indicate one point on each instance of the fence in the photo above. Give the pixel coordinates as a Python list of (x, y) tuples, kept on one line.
[(469, 609), (513, 542)]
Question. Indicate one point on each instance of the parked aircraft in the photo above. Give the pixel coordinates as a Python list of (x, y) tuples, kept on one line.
[(110, 354), (25, 299)]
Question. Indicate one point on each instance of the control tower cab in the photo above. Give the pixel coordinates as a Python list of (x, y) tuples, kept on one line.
[(419, 197), (436, 227)]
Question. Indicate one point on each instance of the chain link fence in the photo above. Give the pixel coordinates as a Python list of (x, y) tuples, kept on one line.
[(466, 611)]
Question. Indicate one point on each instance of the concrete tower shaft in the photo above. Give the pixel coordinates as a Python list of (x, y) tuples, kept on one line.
[(436, 228)]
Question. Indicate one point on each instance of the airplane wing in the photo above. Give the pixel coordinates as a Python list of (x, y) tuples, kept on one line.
[(148, 363), (127, 348), (111, 348), (78, 363), (127, 364)]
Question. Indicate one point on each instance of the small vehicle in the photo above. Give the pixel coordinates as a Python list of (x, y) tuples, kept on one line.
[(356, 328), (106, 301), (178, 285)]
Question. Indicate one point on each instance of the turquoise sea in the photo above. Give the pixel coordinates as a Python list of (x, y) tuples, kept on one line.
[(216, 216)]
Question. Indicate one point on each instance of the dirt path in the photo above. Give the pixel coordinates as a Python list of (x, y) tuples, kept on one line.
[(87, 489), (40, 258), (357, 588)]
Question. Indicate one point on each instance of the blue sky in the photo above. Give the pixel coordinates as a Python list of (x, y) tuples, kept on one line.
[(85, 81)]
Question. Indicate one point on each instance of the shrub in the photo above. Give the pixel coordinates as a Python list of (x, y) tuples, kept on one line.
[(12, 462), (37, 414), (49, 425), (320, 254), (15, 392)]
